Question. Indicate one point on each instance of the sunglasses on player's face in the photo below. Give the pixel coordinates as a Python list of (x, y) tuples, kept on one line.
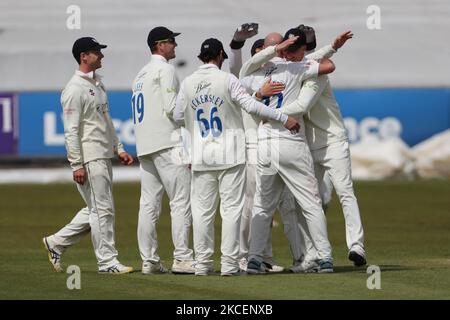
[(169, 40)]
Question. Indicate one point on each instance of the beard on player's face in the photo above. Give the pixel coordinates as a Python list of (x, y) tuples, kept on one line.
[(93, 59), (169, 50)]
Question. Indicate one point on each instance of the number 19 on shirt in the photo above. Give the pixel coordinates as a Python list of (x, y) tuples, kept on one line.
[(137, 105)]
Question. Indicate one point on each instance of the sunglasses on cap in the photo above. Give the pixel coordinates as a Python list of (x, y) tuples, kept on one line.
[(170, 40)]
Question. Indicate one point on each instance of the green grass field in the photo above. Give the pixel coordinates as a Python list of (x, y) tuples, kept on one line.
[(407, 227)]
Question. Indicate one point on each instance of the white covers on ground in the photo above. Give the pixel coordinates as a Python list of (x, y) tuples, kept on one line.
[(373, 159), (432, 156)]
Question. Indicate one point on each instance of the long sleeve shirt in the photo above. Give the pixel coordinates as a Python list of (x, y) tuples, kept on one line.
[(88, 129), (322, 118), (154, 94), (210, 103), (324, 124)]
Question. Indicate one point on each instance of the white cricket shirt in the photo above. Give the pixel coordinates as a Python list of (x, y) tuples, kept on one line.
[(209, 103), (154, 94), (88, 130), (291, 74), (324, 123)]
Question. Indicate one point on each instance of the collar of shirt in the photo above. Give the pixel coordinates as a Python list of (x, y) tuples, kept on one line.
[(90, 76), (208, 66), (159, 57)]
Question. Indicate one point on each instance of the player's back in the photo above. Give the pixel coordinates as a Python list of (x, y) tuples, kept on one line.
[(154, 129), (213, 120)]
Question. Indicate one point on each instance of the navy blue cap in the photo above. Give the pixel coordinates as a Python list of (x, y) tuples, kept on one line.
[(158, 34), (212, 47), (258, 44), (301, 41), (85, 44)]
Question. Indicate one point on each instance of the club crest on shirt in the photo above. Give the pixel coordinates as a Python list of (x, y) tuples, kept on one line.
[(91, 92)]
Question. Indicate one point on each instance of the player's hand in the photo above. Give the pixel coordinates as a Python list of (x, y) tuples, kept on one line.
[(126, 159), (309, 33), (245, 31), (281, 47), (341, 39), (307, 30), (79, 176), (270, 88), (292, 125)]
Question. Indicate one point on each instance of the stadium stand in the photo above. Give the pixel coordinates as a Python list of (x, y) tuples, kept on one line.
[(408, 50), (387, 79)]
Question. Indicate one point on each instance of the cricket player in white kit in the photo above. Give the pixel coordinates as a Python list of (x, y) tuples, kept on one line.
[(91, 142), (284, 158), (303, 250), (209, 103), (287, 203), (160, 153), (328, 142)]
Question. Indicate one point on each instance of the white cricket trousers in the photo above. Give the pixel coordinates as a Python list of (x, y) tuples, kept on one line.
[(334, 160), (284, 162), (287, 209), (97, 217), (164, 170), (207, 186)]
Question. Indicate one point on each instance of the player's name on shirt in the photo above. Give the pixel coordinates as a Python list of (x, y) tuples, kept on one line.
[(205, 98)]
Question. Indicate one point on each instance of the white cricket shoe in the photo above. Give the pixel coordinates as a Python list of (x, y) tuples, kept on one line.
[(306, 266), (53, 256), (183, 266), (272, 266), (153, 268), (116, 269)]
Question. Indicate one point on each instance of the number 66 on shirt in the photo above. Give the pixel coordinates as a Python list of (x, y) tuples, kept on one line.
[(214, 124)]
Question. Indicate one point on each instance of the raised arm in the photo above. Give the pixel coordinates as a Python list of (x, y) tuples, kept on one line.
[(255, 62), (329, 50), (326, 66), (244, 32), (324, 52), (235, 61)]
